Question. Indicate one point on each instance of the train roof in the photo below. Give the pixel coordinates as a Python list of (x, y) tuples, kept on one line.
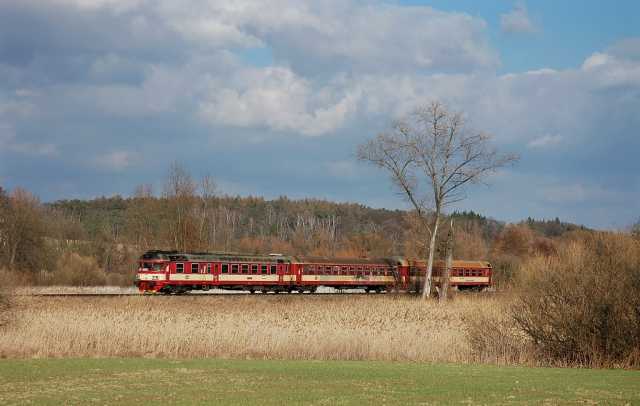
[(329, 260), (214, 256), (457, 263)]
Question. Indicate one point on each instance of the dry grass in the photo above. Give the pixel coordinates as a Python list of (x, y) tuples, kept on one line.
[(275, 327)]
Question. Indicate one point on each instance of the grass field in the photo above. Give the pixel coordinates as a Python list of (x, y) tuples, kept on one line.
[(141, 381)]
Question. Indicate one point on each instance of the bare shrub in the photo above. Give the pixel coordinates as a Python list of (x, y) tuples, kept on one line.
[(5, 306), (505, 269), (118, 279), (73, 269), (583, 305), (6, 288), (495, 338)]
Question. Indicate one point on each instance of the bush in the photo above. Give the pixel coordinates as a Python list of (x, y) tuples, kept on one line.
[(497, 339), (4, 309), (118, 279), (505, 269), (583, 305), (76, 270)]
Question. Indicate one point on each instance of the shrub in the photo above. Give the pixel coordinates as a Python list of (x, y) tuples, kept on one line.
[(505, 269), (495, 338), (4, 308), (583, 305), (118, 279), (76, 270), (5, 293)]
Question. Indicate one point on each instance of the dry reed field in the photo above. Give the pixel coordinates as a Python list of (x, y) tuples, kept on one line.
[(341, 327)]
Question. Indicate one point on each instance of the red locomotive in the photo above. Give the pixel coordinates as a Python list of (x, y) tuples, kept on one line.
[(176, 272)]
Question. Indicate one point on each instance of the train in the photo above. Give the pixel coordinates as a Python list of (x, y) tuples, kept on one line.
[(174, 272)]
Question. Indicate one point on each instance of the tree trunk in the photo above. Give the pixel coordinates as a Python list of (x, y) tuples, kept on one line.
[(426, 291), (444, 278)]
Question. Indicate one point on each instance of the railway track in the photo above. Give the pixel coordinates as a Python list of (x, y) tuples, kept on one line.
[(217, 294)]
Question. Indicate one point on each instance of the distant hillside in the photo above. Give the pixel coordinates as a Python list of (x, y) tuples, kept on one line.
[(255, 216)]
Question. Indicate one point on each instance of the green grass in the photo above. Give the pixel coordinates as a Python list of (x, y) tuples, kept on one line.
[(139, 381)]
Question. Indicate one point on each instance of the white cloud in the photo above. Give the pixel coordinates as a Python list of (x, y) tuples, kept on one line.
[(573, 193), (9, 142), (378, 37), (114, 161), (305, 34), (517, 21), (544, 141), (278, 99), (343, 169)]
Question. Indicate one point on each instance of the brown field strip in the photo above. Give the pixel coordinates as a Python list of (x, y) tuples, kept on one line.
[(345, 327)]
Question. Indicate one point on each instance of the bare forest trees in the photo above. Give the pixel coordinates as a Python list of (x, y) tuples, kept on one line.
[(22, 231), (180, 194), (431, 157)]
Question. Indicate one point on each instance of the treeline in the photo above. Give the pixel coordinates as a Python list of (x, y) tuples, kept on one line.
[(83, 242)]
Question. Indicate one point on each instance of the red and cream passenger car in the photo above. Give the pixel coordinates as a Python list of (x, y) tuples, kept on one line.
[(179, 272)]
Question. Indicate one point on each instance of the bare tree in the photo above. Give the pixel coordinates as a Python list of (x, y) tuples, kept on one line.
[(207, 216), (180, 194), (446, 272), (635, 230), (22, 231), (431, 157)]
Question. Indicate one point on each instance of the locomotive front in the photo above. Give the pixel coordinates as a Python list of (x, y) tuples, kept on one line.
[(153, 267)]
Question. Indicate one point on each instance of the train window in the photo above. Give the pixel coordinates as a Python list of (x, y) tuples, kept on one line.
[(208, 268), (179, 268), (273, 270), (234, 268), (225, 268), (264, 269), (245, 268), (254, 269), (194, 267)]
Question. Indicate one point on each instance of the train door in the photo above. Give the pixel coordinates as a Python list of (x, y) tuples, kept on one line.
[(280, 271)]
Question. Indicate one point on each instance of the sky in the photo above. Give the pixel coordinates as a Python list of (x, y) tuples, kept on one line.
[(273, 98)]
